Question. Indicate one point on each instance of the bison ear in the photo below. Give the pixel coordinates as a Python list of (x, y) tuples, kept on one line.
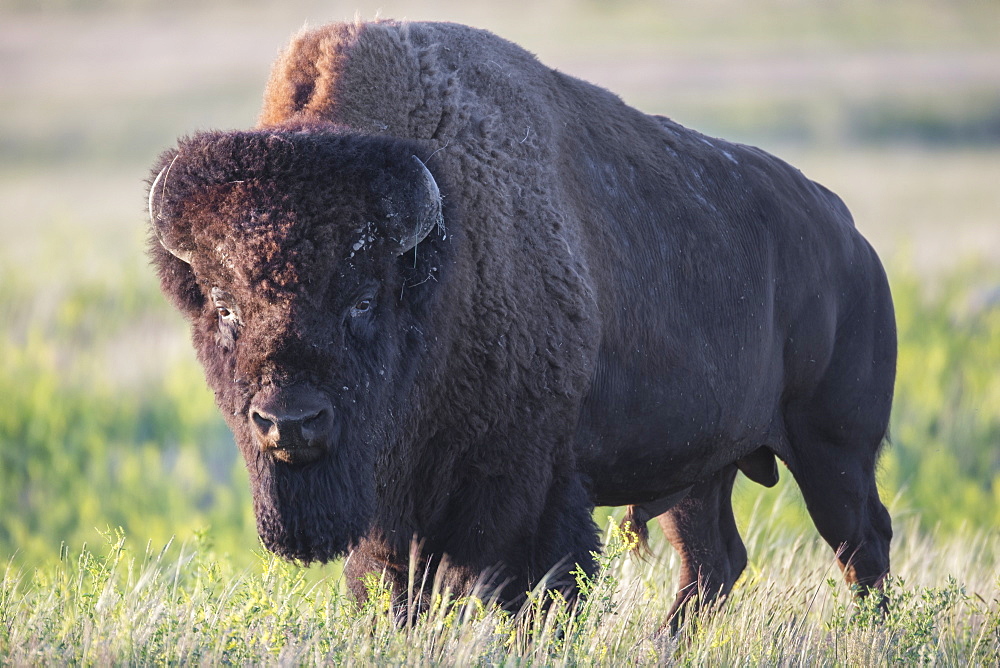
[(426, 210), (161, 227)]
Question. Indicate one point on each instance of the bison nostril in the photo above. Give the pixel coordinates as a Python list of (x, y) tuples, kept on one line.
[(314, 426), (263, 424)]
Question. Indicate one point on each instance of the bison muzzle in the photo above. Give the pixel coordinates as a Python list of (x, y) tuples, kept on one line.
[(449, 297), (295, 425)]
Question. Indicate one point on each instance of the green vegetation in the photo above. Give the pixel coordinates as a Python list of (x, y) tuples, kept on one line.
[(116, 605), (945, 460), (83, 445)]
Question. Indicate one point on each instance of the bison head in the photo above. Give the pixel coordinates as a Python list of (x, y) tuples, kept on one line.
[(294, 255)]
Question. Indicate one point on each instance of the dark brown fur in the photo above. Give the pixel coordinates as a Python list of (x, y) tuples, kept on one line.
[(616, 311)]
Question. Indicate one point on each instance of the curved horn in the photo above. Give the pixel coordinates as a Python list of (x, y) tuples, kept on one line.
[(157, 221), (430, 217)]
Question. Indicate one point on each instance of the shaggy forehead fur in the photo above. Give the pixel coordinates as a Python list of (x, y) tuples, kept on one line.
[(268, 208)]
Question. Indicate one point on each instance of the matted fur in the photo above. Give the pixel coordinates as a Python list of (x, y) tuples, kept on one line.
[(617, 310)]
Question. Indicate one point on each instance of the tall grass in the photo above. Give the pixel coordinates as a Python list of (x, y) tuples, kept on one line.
[(187, 605)]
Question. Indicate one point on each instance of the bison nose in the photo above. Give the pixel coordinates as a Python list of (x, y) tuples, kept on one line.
[(293, 425), (307, 427)]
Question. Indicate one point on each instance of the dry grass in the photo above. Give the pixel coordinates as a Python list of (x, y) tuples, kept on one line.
[(119, 606)]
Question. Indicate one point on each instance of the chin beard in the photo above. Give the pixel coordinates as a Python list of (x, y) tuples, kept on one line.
[(315, 512)]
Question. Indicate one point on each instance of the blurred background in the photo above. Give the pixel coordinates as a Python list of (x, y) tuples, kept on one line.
[(105, 420)]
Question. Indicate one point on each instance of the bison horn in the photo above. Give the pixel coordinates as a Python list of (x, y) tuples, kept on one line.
[(159, 225), (430, 217)]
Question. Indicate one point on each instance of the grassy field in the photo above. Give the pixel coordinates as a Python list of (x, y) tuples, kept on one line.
[(105, 421), (180, 606)]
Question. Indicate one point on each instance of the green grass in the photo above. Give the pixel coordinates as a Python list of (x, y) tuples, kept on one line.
[(187, 605), (88, 439)]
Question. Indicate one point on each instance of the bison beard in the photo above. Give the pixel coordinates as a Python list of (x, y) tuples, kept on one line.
[(316, 512)]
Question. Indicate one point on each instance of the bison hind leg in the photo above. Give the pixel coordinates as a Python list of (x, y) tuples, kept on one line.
[(836, 432), (702, 528), (839, 488), (837, 423)]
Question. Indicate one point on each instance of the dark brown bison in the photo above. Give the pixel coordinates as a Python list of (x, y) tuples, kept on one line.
[(445, 294)]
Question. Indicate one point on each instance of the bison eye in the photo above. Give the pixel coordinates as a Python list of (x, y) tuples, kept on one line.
[(225, 307), (363, 306)]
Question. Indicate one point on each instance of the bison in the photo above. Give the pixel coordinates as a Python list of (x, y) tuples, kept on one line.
[(450, 298)]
